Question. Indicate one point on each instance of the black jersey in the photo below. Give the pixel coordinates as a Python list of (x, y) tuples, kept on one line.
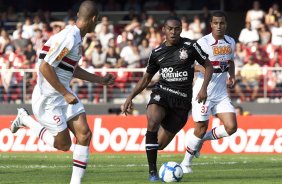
[(176, 66)]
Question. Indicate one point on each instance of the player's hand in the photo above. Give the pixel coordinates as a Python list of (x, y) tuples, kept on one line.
[(108, 79), (202, 96), (230, 82), (127, 107), (70, 98)]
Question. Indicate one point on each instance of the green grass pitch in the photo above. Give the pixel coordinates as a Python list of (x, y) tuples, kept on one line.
[(41, 168)]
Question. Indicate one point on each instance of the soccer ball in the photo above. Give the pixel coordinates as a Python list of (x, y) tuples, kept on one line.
[(170, 172)]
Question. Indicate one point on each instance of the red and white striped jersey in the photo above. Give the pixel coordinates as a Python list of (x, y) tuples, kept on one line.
[(220, 53), (62, 51)]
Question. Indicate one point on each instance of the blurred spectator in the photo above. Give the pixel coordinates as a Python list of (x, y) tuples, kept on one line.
[(248, 35), (112, 43), (186, 31), (98, 55), (274, 78), (30, 55), (270, 17), (138, 34), (239, 58), (277, 58), (78, 84), (250, 78), (130, 55), (5, 40), (261, 57), (37, 23), (112, 58), (122, 39), (28, 31), (46, 31), (205, 17), (38, 40), (150, 22), (255, 16), (197, 28), (20, 44), (18, 31), (264, 35), (104, 21), (145, 51), (105, 35), (276, 32), (9, 80), (154, 37)]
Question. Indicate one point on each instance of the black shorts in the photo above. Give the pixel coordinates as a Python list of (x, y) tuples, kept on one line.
[(177, 110)]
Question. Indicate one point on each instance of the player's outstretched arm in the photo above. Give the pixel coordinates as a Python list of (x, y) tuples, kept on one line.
[(82, 74), (202, 95), (141, 85), (50, 75)]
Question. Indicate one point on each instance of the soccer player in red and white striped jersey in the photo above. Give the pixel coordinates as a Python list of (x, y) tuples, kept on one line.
[(56, 107)]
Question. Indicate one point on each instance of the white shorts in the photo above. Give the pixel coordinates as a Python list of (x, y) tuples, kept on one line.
[(53, 112), (202, 112)]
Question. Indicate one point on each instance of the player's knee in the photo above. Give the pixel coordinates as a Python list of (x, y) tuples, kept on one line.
[(161, 146), (85, 137), (199, 132), (63, 146), (231, 130)]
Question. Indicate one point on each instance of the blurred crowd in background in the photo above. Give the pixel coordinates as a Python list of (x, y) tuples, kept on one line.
[(259, 47)]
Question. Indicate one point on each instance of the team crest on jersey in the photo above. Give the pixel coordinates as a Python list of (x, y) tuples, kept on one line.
[(223, 65), (157, 97), (183, 54)]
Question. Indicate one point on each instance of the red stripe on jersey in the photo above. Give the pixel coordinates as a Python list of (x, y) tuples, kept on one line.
[(216, 41), (69, 61), (46, 48), (79, 162), (215, 63)]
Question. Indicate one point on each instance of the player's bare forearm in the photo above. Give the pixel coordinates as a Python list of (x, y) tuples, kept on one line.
[(84, 75), (141, 85), (50, 75), (208, 73), (231, 70), (199, 68)]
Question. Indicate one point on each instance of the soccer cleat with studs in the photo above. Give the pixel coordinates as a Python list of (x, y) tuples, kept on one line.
[(18, 123)]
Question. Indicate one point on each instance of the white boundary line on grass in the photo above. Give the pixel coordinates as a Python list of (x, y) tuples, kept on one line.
[(12, 166)]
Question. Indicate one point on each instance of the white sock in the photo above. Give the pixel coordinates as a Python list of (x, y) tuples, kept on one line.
[(80, 160), (192, 146), (216, 133), (39, 130)]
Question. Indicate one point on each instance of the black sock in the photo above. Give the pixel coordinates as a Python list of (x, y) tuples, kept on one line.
[(152, 149)]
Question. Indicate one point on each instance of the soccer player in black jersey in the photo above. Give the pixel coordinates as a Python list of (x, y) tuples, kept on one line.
[(170, 103)]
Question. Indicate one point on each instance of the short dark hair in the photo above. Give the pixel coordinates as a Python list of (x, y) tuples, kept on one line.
[(172, 18), (88, 9), (218, 14)]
